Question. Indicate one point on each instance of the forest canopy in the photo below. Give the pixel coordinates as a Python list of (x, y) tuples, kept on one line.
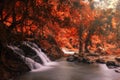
[(74, 24)]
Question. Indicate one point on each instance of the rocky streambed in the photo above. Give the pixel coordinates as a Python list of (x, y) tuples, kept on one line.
[(111, 61)]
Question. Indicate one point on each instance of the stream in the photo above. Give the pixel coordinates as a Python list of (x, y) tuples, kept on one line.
[(63, 70)]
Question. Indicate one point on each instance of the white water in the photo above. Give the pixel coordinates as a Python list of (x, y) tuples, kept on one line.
[(29, 61), (32, 64), (33, 46)]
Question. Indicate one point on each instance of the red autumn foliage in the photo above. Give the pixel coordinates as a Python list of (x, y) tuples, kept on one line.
[(72, 23)]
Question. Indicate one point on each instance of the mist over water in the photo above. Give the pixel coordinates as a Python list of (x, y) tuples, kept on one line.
[(61, 69), (72, 71)]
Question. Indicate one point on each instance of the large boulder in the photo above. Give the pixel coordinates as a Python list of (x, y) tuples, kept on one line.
[(11, 65), (14, 61)]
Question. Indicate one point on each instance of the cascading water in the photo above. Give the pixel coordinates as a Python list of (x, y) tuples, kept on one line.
[(38, 51), (32, 64), (30, 61)]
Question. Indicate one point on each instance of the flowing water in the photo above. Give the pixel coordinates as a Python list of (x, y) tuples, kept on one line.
[(41, 54), (61, 69), (32, 63), (72, 71)]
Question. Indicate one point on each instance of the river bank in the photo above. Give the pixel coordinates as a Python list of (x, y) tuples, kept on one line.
[(111, 61)]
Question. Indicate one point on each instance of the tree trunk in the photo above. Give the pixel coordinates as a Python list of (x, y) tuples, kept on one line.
[(87, 42), (86, 46), (80, 34)]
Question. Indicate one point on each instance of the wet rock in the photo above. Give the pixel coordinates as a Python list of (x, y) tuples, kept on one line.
[(11, 65), (80, 59), (72, 58), (76, 55), (14, 62), (117, 70), (84, 59), (29, 52), (87, 60), (112, 64)]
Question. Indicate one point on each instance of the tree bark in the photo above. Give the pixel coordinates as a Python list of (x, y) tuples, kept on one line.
[(80, 34), (87, 42)]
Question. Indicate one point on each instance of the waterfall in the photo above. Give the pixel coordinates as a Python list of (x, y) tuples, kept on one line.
[(38, 51), (32, 64), (32, 61)]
